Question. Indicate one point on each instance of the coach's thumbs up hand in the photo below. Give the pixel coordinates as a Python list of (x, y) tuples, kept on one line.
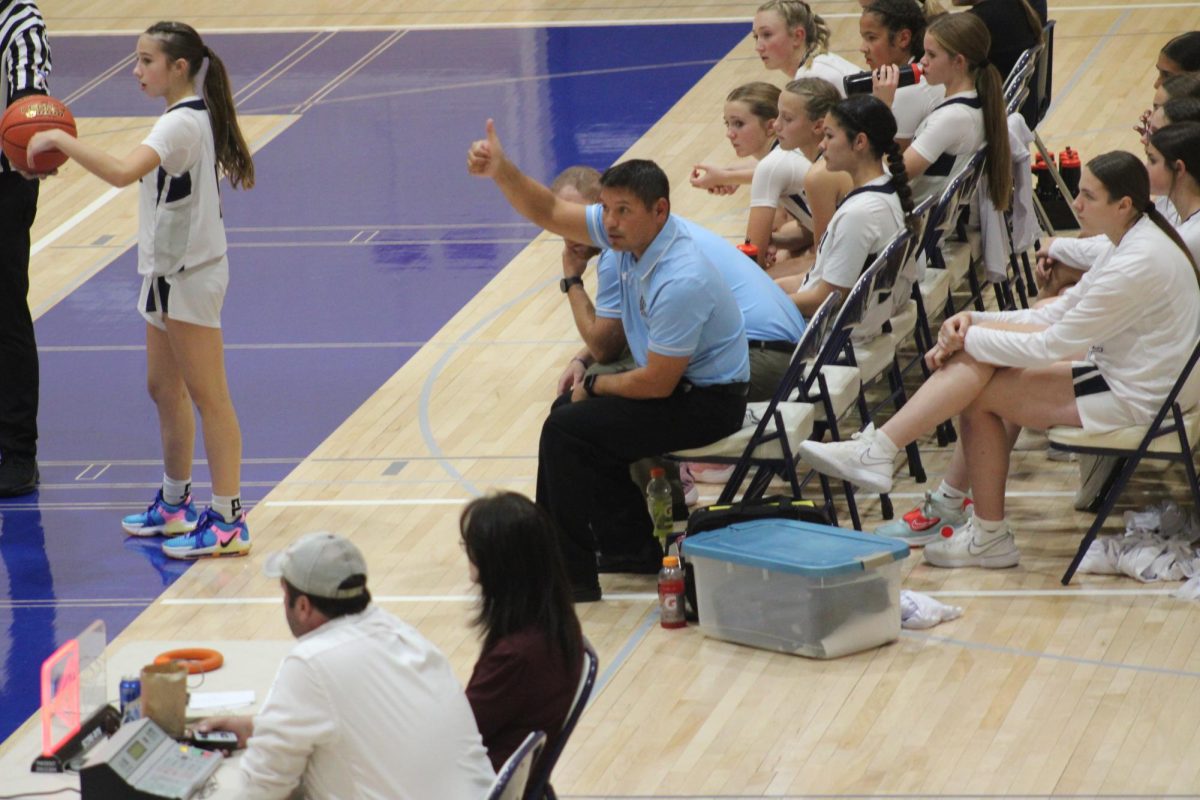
[(485, 156)]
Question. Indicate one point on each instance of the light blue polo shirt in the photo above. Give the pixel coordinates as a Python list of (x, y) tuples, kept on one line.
[(674, 302), (768, 313)]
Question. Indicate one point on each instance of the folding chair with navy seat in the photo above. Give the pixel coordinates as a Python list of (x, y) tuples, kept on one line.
[(1171, 436), (539, 787), (841, 368), (875, 352), (514, 774), (765, 441)]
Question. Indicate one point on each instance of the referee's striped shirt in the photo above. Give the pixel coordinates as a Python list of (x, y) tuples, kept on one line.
[(24, 54)]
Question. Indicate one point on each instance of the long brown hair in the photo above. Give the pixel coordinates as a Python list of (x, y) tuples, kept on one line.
[(1123, 175), (179, 40), (965, 34)]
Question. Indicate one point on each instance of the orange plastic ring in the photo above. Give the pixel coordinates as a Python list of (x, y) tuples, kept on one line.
[(196, 659)]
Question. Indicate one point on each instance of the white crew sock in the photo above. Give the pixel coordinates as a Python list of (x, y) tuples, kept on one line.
[(174, 492), (230, 508), (990, 528), (883, 446), (948, 492)]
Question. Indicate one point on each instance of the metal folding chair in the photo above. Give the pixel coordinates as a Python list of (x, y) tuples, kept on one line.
[(1169, 437)]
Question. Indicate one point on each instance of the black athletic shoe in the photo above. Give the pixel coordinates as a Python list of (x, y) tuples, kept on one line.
[(18, 476)]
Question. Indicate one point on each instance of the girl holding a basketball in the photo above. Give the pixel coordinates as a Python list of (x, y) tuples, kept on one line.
[(182, 260)]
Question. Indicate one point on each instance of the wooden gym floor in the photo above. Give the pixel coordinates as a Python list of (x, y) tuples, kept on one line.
[(1037, 690)]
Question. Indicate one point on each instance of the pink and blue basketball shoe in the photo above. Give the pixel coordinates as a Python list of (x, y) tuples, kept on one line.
[(162, 518), (213, 536)]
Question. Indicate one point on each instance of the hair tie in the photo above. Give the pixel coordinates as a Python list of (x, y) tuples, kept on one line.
[(207, 52), (983, 63)]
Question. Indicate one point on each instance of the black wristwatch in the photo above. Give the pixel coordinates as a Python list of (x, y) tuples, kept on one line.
[(589, 384), (566, 283)]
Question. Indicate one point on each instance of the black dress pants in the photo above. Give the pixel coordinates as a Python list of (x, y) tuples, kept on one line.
[(583, 465), (18, 348)]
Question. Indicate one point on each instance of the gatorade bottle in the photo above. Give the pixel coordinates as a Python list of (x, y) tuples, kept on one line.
[(1045, 183), (749, 250), (1068, 167), (670, 594), (660, 505), (862, 83)]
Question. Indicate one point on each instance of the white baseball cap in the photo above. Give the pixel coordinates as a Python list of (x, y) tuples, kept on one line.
[(319, 564)]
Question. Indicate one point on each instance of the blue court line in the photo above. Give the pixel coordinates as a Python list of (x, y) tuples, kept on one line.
[(427, 386), (623, 654), (1086, 66), (1016, 651)]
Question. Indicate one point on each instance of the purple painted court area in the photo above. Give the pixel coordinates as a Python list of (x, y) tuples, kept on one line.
[(363, 230)]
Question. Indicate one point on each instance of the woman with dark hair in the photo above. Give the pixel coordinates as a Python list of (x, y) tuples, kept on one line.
[(1181, 54), (1136, 314), (893, 35), (529, 669), (860, 132)]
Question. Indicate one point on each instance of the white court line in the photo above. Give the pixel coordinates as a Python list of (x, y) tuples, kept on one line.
[(639, 597), (584, 23), (446, 501), (1052, 593), (80, 216)]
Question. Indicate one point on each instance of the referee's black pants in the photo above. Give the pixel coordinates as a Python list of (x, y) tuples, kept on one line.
[(18, 348), (583, 465)]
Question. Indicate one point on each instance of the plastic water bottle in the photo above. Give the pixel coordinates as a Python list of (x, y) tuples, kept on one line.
[(862, 82), (670, 594), (660, 505)]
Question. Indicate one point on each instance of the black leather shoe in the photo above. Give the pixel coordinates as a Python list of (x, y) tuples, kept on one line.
[(646, 562), (18, 476), (586, 594)]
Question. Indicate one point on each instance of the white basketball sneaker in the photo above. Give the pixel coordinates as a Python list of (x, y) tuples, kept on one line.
[(969, 546), (863, 460)]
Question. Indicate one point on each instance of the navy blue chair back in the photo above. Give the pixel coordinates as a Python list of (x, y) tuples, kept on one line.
[(514, 774), (539, 784)]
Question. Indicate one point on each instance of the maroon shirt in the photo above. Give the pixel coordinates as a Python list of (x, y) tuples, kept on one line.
[(521, 685)]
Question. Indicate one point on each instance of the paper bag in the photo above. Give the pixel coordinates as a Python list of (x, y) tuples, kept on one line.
[(164, 695)]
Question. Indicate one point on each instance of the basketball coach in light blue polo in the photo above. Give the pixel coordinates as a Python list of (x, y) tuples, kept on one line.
[(688, 387)]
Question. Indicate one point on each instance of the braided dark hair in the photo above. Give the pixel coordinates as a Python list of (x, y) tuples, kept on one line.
[(870, 116), (901, 15)]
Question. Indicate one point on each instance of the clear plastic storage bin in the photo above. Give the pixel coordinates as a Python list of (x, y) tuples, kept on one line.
[(797, 587)]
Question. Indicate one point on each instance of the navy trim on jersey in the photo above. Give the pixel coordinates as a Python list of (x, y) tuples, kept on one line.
[(159, 287), (945, 162), (886, 188), (1088, 380), (181, 187), (799, 200)]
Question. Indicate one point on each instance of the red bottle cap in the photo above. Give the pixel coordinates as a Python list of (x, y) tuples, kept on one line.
[(917, 73), (749, 250), (1068, 158)]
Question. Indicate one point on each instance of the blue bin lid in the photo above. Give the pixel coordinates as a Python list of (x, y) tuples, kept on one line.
[(801, 548)]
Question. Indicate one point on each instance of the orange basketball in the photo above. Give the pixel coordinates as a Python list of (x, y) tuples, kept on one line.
[(24, 118)]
